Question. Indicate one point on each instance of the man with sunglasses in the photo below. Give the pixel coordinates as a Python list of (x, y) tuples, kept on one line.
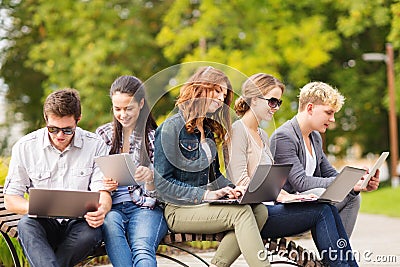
[(58, 156), (299, 141)]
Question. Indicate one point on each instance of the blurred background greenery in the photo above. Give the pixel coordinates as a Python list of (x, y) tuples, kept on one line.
[(86, 44), (47, 45)]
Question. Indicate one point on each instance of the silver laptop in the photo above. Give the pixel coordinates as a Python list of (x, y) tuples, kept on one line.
[(264, 186), (50, 203), (339, 188), (119, 167)]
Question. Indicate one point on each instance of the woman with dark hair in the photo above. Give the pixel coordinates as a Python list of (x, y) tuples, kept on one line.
[(135, 225), (187, 171)]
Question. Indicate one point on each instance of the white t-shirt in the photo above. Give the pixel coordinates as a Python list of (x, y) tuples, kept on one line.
[(311, 160)]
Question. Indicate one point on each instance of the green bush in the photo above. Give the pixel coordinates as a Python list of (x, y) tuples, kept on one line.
[(3, 169)]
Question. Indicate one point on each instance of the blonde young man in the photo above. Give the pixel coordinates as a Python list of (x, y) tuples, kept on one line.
[(298, 141)]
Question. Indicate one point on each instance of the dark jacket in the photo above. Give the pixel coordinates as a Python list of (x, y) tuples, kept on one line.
[(287, 146)]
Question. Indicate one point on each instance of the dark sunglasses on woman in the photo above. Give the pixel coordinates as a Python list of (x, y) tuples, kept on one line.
[(273, 102)]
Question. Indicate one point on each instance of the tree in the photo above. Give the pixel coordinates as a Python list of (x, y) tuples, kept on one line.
[(24, 92), (364, 27), (280, 37), (84, 45), (87, 44), (298, 41)]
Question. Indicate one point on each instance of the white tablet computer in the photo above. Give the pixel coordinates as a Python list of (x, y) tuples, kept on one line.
[(374, 168), (119, 167)]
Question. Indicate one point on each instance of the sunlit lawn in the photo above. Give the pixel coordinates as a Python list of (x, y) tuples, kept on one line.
[(385, 200)]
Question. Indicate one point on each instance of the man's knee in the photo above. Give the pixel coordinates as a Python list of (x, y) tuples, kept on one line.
[(88, 236), (94, 236), (27, 225)]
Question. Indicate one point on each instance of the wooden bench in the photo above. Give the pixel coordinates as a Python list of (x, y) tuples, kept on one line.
[(281, 251)]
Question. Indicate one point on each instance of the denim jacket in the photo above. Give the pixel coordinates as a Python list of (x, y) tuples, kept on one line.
[(182, 171)]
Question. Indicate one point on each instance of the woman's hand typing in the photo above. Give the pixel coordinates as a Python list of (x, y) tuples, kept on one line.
[(226, 192)]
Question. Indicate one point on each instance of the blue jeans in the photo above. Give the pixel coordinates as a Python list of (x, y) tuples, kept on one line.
[(132, 234), (46, 242), (326, 227)]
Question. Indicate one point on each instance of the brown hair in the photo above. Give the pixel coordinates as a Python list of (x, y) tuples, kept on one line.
[(192, 101), (256, 85), (145, 123), (61, 103)]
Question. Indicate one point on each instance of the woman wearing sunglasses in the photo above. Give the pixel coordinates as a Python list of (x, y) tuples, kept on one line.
[(135, 225), (260, 99)]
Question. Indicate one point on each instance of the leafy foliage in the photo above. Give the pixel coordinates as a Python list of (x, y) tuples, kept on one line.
[(84, 45), (297, 42), (252, 36), (87, 44), (3, 169)]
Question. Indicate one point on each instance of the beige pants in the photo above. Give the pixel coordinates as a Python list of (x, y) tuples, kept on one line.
[(243, 223)]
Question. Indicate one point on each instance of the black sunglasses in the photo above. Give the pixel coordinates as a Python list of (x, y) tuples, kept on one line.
[(55, 130), (272, 102)]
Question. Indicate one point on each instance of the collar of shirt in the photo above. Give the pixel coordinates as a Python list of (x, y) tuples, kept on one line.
[(76, 141)]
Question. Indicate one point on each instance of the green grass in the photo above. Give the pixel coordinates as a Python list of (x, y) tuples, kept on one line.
[(386, 201)]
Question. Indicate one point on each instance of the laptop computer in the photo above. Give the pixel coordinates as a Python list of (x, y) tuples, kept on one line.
[(374, 168), (338, 189), (119, 167), (50, 203), (264, 186)]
